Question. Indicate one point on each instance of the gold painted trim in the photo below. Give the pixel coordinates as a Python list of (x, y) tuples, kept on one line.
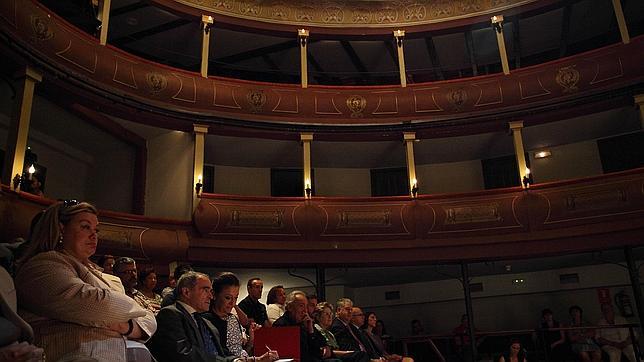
[(214, 96), (347, 13), (69, 46), (116, 68), (279, 101), (194, 89), (375, 111)]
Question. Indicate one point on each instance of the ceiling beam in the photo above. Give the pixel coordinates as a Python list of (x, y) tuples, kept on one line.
[(149, 32), (355, 59), (258, 52), (433, 58), (565, 30), (271, 64), (469, 48)]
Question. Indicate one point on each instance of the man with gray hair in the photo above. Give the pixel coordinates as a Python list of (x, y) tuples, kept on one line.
[(348, 336), (183, 335), (313, 347)]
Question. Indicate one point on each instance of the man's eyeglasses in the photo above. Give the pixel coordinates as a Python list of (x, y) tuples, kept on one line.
[(70, 202)]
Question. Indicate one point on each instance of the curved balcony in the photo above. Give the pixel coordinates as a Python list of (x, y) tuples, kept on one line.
[(546, 219)]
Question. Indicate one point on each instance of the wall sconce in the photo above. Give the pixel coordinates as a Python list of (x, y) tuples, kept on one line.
[(542, 154), (20, 180), (414, 188), (527, 179), (497, 23), (198, 185), (307, 189)]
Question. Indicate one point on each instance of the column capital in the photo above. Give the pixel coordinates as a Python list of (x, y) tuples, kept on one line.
[(303, 33), (200, 128), (31, 73), (206, 23), (308, 137), (399, 33), (409, 136), (516, 125), (639, 99)]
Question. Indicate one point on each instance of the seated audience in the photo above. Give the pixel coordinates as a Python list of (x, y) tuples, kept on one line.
[(171, 297), (554, 341), (125, 269), (76, 311), (515, 354), (172, 283), (462, 339), (614, 341), (417, 328), (311, 303), (232, 335), (380, 330), (581, 340), (254, 309), (147, 283), (275, 303), (183, 334), (312, 345), (368, 326), (348, 336), (323, 316), (107, 263), (15, 334)]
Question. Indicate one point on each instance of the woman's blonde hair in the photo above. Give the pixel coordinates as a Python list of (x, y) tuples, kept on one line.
[(46, 234)]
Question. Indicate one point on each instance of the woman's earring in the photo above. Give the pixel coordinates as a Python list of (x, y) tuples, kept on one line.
[(60, 238)]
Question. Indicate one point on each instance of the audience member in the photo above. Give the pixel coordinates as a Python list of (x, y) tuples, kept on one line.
[(183, 334), (107, 263), (323, 316), (462, 340), (614, 341), (171, 297), (76, 311), (368, 326), (380, 330), (172, 283), (35, 187), (125, 269), (312, 345), (515, 354), (417, 328), (251, 305), (147, 284), (275, 303), (348, 336), (232, 335), (581, 340), (554, 341), (16, 335), (311, 303)]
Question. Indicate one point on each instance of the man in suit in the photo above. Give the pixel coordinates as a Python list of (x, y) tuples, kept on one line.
[(182, 334), (348, 336)]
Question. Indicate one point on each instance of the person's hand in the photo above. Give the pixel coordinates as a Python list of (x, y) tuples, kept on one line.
[(326, 352), (121, 328), (269, 356), (21, 352), (308, 323)]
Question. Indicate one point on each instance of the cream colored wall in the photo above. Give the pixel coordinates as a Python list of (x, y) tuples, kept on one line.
[(169, 176), (450, 177), (342, 182), (567, 162), (250, 181)]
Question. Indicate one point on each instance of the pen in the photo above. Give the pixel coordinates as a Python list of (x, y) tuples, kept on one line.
[(268, 348)]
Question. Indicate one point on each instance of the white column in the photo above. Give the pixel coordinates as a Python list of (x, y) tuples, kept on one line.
[(200, 140), (621, 22), (104, 17), (303, 36), (399, 35), (497, 24), (206, 25), (516, 128), (409, 139), (306, 139)]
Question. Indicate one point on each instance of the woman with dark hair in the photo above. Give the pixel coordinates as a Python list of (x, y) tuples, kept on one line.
[(232, 336), (275, 303), (581, 340), (554, 341), (147, 283), (370, 322), (76, 311), (515, 354)]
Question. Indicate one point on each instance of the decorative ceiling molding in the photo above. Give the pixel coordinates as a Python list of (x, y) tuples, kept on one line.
[(351, 13)]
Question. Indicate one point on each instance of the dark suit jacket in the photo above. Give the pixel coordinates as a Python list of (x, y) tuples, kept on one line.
[(346, 340), (310, 343), (178, 338)]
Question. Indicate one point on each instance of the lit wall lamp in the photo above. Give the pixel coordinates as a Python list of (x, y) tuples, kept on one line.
[(21, 180), (497, 23), (198, 185), (307, 189), (414, 188), (527, 179), (542, 154)]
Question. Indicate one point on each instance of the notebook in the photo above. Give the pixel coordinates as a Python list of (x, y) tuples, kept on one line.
[(284, 340)]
